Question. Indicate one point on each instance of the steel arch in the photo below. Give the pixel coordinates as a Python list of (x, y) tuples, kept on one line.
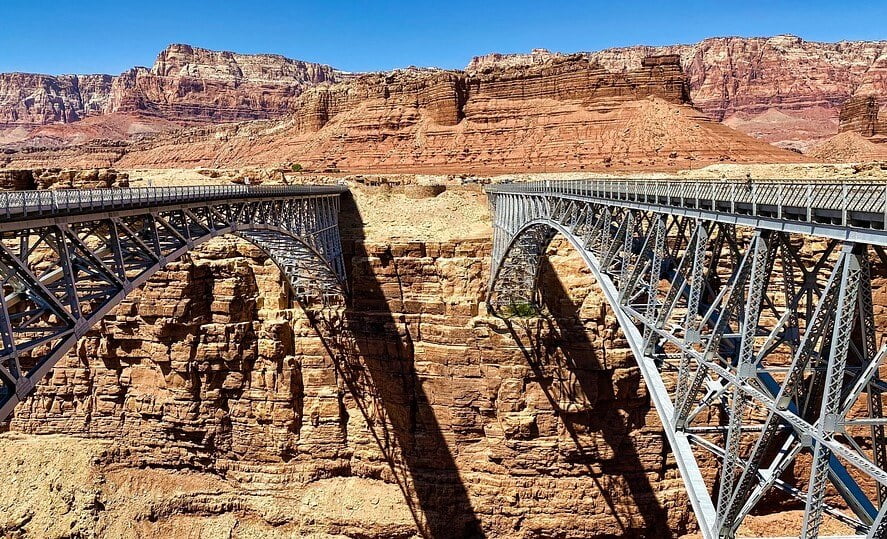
[(727, 320), (68, 258)]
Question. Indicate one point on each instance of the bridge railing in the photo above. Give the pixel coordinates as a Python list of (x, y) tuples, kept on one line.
[(848, 203), (18, 204)]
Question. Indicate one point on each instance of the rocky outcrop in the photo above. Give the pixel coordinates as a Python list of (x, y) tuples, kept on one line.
[(561, 112), (866, 112), (32, 100), (860, 114), (189, 84), (567, 113)]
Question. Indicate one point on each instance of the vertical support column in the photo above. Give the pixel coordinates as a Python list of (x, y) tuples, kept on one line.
[(655, 275), (691, 329), (745, 369), (831, 396)]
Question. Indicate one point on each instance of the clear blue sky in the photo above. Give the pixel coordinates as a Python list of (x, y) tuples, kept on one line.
[(99, 36)]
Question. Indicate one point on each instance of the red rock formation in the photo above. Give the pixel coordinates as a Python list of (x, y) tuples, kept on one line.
[(564, 113), (782, 89), (861, 115), (189, 84), (186, 85), (31, 100), (866, 112), (203, 372)]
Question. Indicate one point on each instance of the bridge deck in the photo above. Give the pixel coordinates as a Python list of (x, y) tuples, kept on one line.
[(845, 210), (30, 205)]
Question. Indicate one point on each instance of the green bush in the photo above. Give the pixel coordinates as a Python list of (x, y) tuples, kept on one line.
[(297, 167), (521, 309)]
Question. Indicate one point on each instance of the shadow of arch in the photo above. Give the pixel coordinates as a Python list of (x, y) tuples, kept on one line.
[(580, 385), (535, 237), (374, 354)]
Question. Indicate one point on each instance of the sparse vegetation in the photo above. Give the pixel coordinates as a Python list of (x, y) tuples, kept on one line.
[(520, 309)]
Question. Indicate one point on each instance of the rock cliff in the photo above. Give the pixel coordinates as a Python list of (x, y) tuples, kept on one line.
[(782, 89), (205, 403), (186, 85), (566, 113), (30, 100), (189, 84)]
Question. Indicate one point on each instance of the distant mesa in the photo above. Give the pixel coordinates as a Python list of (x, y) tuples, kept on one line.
[(615, 108)]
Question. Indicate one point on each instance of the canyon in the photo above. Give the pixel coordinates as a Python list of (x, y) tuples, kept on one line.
[(211, 404)]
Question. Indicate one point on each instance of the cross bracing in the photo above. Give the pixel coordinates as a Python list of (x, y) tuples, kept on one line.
[(749, 310), (68, 257)]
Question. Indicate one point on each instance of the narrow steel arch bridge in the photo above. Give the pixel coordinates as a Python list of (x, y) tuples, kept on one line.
[(68, 257), (749, 310)]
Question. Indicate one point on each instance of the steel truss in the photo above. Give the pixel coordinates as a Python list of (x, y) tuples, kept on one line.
[(68, 257), (757, 343)]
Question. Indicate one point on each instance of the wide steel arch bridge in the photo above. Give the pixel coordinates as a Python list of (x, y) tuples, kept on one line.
[(68, 257), (749, 309)]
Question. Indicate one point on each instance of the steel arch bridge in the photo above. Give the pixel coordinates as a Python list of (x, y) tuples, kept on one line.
[(68, 257), (748, 308)]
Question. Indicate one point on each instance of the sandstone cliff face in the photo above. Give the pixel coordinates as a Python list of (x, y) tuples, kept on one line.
[(566, 113), (190, 84), (782, 89), (866, 112), (209, 405)]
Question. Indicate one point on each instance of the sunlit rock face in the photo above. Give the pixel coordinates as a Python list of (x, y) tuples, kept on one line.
[(205, 402), (781, 89)]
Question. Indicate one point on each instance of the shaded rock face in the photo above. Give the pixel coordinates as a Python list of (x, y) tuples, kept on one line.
[(862, 115), (411, 413), (781, 89), (866, 112)]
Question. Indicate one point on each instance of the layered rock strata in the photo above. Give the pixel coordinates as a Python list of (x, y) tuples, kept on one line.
[(185, 85), (782, 89), (413, 412), (568, 113)]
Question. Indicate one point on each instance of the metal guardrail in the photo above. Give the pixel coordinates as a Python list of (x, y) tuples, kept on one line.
[(841, 203), (15, 205)]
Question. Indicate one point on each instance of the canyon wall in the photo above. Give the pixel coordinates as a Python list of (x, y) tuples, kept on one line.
[(204, 405), (189, 84), (782, 90), (30, 100)]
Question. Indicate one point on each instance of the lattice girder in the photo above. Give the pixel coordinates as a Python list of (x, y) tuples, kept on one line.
[(67, 258), (757, 343)]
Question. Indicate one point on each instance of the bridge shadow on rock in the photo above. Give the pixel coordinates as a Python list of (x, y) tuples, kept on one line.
[(597, 399), (374, 356)]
